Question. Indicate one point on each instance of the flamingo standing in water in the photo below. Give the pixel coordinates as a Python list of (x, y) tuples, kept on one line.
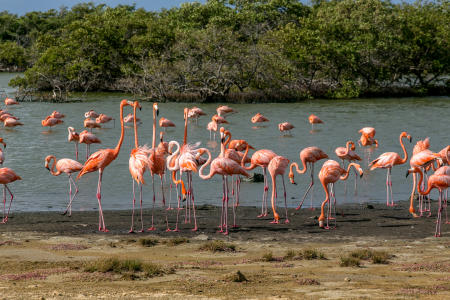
[(224, 109), (386, 161), (9, 101), (88, 138), (102, 118), (67, 166), (91, 114), (259, 118), (11, 122), (367, 139), (7, 176), (212, 126), (313, 119), (100, 160), (74, 137), (163, 122), (331, 172), (57, 115), (90, 123), (138, 164), (278, 166), (157, 165), (226, 167), (309, 156), (260, 158), (195, 113), (285, 126), (49, 121), (348, 153)]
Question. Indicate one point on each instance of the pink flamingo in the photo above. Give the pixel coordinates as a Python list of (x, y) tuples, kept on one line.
[(163, 122), (212, 126), (102, 118), (226, 167), (239, 145), (219, 120), (347, 153), (11, 122), (7, 176), (260, 158), (100, 160), (367, 139), (331, 172), (386, 161), (50, 122), (285, 126), (73, 137), (67, 166), (259, 118), (89, 123), (9, 101), (4, 116), (223, 110), (91, 114), (57, 115), (138, 164), (88, 138), (278, 166), (195, 113), (309, 156), (313, 119), (445, 155)]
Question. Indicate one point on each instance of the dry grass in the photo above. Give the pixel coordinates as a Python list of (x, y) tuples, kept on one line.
[(148, 242), (175, 241), (218, 246)]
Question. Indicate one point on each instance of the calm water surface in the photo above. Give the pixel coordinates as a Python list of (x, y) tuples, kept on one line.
[(28, 145)]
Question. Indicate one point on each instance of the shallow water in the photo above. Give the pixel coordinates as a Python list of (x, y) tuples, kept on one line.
[(28, 145)]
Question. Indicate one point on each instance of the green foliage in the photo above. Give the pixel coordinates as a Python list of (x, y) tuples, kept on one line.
[(276, 49)]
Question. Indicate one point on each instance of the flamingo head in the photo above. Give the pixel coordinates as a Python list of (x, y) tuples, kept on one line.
[(412, 170), (47, 161), (155, 108), (406, 135), (161, 136), (2, 142), (186, 112), (222, 135), (137, 104), (291, 177), (353, 146), (360, 170)]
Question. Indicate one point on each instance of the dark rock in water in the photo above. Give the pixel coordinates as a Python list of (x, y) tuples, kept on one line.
[(370, 206), (255, 177)]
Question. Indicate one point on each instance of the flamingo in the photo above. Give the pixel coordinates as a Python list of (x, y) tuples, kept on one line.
[(387, 160), (73, 137), (157, 165), (439, 180), (163, 147), (88, 138), (277, 166), (9, 101), (91, 114), (49, 121), (445, 155), (259, 118), (331, 172), (239, 145), (4, 116), (138, 164), (219, 120), (313, 119), (367, 139), (7, 176), (102, 118), (223, 110), (2, 155), (309, 156), (90, 123), (195, 113), (11, 122), (285, 126), (100, 160), (226, 167), (57, 115), (260, 158), (347, 153), (163, 122), (67, 166)]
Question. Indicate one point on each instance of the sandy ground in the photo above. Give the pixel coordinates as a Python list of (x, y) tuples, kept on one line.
[(46, 256)]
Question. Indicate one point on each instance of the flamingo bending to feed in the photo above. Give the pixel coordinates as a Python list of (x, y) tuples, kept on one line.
[(49, 121), (348, 153), (138, 164), (100, 160), (74, 137), (278, 166), (57, 115), (313, 119), (102, 118), (330, 173), (239, 145), (259, 118), (226, 167), (286, 126), (195, 113), (7, 176), (439, 180), (11, 122), (91, 114), (219, 120), (260, 158), (67, 166), (445, 155), (224, 109), (212, 126), (90, 123), (163, 122), (88, 138), (309, 155), (386, 161), (4, 116), (9, 101)]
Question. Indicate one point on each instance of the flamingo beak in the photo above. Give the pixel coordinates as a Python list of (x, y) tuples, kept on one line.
[(157, 112), (410, 139), (407, 173), (47, 168)]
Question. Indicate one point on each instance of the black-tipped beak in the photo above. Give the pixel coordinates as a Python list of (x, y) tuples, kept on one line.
[(157, 112), (410, 139), (140, 108), (222, 140), (360, 176), (47, 168), (407, 173)]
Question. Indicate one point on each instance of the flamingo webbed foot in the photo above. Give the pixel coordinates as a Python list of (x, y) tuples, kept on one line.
[(153, 228), (287, 221), (275, 222)]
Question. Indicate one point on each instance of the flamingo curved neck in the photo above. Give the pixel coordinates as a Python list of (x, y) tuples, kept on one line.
[(185, 128), (136, 141), (303, 171), (52, 168), (154, 129), (122, 131), (347, 150), (428, 187), (404, 151), (227, 142), (347, 172), (200, 172)]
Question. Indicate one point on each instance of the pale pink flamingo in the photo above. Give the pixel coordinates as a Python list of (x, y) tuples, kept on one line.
[(239, 145), (226, 167), (441, 181), (309, 156), (367, 139), (386, 161), (219, 120), (224, 109), (49, 121), (331, 172), (67, 166), (74, 137), (88, 138), (3, 117), (278, 166), (259, 118), (163, 147), (195, 113), (165, 123), (285, 126), (138, 164), (102, 118), (313, 119), (100, 160), (91, 114), (90, 123), (212, 126), (260, 158), (7, 176), (9, 101), (445, 155), (11, 122), (57, 115), (347, 153)]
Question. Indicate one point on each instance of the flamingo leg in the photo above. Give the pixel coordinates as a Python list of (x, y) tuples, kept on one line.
[(387, 187), (390, 186), (234, 192), (266, 189), (285, 201), (140, 203), (223, 203), (274, 200), (71, 197), (411, 198), (308, 189), (193, 202), (132, 211), (438, 221), (164, 203), (76, 150), (5, 218), (101, 225), (178, 208), (153, 206), (226, 206), (445, 207), (356, 182), (4, 203)]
